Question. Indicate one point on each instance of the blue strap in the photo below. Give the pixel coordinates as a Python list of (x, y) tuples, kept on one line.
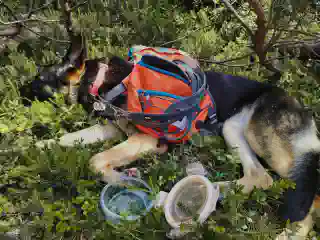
[(115, 92), (212, 115)]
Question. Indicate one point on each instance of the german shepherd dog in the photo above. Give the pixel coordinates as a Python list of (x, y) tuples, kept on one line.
[(259, 120)]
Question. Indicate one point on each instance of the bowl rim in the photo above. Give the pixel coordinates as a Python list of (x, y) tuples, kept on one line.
[(115, 216), (207, 207)]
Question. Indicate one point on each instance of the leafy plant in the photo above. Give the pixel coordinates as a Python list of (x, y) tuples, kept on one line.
[(52, 194)]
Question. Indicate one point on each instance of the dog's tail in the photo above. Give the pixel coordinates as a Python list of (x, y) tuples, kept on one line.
[(305, 175)]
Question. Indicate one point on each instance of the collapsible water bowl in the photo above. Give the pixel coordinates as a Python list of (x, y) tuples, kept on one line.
[(126, 201), (193, 196)]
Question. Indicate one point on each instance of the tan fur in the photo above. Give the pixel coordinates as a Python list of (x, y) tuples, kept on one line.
[(278, 155)]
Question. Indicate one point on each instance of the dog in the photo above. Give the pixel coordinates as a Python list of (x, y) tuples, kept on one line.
[(259, 120)]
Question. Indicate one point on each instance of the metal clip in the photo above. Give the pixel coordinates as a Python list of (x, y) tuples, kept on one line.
[(99, 106)]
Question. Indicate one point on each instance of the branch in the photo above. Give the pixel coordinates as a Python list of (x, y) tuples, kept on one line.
[(298, 43), (226, 60), (31, 3), (40, 8), (27, 20), (260, 36), (306, 51), (310, 34), (186, 35), (261, 32), (231, 8), (49, 38), (78, 5), (19, 23), (8, 9), (11, 32), (274, 38), (66, 5)]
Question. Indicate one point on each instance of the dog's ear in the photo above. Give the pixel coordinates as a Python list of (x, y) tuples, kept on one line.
[(77, 52)]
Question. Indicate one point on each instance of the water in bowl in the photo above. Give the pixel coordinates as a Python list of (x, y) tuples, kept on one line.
[(128, 202)]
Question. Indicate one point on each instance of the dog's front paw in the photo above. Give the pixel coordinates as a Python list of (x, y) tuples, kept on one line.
[(259, 180), (98, 164), (265, 181), (288, 235), (284, 235), (112, 177)]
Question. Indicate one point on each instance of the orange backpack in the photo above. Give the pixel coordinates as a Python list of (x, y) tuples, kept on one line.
[(166, 93)]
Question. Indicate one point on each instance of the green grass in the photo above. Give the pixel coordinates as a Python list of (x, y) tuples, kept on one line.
[(52, 194)]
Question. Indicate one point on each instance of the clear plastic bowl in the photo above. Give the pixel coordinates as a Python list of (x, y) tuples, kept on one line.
[(127, 201)]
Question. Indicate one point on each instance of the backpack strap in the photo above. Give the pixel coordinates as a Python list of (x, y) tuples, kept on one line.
[(100, 107), (115, 92)]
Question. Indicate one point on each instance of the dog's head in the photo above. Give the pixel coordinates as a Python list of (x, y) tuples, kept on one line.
[(59, 77), (74, 77)]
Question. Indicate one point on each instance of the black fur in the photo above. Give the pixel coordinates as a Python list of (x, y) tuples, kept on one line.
[(231, 93), (84, 98), (277, 101), (52, 78), (118, 70), (297, 202)]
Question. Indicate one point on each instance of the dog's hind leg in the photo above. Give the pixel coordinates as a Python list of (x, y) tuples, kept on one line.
[(234, 134), (284, 134), (123, 154), (304, 227)]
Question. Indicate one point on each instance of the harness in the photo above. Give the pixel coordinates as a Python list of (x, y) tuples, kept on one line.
[(167, 95)]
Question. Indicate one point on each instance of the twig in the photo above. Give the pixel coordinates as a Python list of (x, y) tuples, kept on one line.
[(242, 65), (299, 43), (235, 65), (78, 5), (27, 20), (8, 9), (300, 32), (273, 39), (258, 38), (227, 60), (231, 8), (10, 32), (49, 38), (184, 36), (42, 7), (31, 3), (66, 5)]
